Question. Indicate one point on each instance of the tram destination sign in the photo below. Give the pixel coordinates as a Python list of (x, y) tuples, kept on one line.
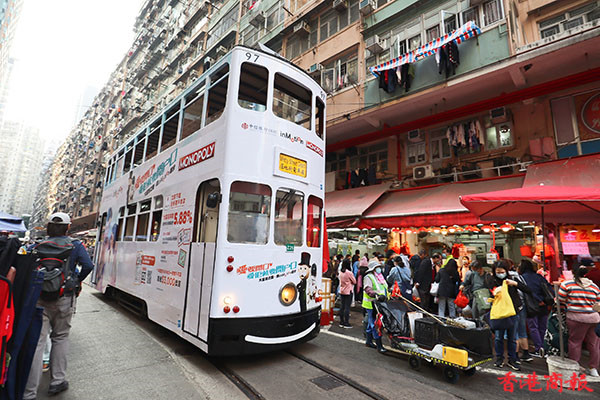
[(292, 165)]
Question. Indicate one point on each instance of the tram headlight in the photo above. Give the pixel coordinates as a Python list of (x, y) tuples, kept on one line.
[(227, 300), (288, 294)]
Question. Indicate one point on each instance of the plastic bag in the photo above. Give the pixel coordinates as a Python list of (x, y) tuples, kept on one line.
[(415, 294), (502, 307), (461, 300), (434, 288)]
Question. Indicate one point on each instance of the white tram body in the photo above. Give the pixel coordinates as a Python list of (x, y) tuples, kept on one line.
[(212, 214)]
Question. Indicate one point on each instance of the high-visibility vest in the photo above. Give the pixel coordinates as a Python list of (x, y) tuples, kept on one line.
[(378, 287)]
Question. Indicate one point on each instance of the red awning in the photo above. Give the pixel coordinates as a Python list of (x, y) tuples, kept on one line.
[(352, 202), (577, 171), (561, 204), (433, 205)]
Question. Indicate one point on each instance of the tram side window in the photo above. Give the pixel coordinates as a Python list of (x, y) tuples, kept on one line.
[(289, 218), (129, 152), (249, 213), (292, 101), (109, 171), (141, 233), (320, 118), (156, 218), (192, 114), (130, 223), (313, 221), (153, 138), (217, 94), (254, 82), (138, 156), (170, 128), (119, 233), (120, 163)]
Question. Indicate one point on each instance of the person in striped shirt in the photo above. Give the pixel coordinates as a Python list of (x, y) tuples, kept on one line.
[(582, 299)]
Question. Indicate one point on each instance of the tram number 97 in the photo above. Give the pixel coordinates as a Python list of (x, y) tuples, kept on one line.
[(249, 56)]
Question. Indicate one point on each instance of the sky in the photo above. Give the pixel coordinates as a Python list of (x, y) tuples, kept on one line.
[(62, 48)]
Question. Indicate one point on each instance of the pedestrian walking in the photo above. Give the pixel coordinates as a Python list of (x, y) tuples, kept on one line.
[(582, 298), (424, 277), (536, 324), (374, 287), (347, 282), (58, 313), (448, 280), (415, 261)]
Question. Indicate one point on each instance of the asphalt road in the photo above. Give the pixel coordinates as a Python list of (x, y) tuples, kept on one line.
[(117, 355)]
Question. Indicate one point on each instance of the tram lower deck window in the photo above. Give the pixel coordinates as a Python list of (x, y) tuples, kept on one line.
[(313, 221), (249, 213), (292, 101), (289, 217)]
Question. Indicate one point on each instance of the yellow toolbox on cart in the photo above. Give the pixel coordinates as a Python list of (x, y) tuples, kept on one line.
[(455, 356)]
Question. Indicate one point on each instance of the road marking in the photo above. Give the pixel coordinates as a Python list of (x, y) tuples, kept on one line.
[(350, 338)]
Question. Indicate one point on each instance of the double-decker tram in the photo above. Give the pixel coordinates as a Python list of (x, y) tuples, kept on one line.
[(212, 214)]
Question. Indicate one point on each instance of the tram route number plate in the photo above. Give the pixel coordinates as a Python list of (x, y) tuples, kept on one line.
[(292, 165), (289, 248)]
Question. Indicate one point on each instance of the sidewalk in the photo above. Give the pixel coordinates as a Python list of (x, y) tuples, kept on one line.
[(356, 333)]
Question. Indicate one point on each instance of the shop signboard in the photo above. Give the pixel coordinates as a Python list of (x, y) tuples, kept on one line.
[(576, 248), (580, 240), (587, 106), (491, 258)]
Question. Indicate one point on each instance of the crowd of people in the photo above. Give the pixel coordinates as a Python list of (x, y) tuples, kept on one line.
[(435, 281)]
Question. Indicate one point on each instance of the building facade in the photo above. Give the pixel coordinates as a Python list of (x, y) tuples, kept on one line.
[(9, 15), (525, 87)]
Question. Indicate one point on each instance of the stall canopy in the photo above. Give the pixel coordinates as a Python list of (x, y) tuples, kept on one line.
[(559, 204), (467, 31), (433, 205), (578, 171), (351, 203), (11, 223)]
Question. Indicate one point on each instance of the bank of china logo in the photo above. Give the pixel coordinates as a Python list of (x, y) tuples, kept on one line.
[(244, 125)]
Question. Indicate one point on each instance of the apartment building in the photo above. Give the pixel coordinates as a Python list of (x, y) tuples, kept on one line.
[(522, 80), (9, 15)]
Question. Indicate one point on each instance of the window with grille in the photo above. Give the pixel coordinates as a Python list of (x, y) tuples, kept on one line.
[(569, 20)]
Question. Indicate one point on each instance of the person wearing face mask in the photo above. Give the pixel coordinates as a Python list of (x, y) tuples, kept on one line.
[(582, 299), (375, 287), (500, 272), (423, 277), (477, 279)]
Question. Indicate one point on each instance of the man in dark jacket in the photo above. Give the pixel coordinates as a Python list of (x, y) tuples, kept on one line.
[(57, 315), (415, 261), (423, 278)]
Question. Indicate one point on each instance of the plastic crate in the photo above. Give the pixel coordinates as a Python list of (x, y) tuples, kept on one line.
[(426, 332)]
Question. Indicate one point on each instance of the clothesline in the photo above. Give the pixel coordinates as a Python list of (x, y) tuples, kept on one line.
[(465, 32)]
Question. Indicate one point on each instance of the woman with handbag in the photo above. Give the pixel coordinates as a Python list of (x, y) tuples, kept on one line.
[(540, 288), (582, 298), (511, 306)]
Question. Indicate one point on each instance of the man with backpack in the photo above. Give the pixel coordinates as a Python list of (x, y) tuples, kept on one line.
[(57, 257)]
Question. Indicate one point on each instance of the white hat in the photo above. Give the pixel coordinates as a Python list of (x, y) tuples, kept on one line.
[(372, 265), (60, 218)]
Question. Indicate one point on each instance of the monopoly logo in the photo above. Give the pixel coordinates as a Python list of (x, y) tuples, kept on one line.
[(314, 148), (197, 156)]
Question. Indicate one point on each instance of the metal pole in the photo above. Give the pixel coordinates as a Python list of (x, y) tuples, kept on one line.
[(560, 325), (543, 252)]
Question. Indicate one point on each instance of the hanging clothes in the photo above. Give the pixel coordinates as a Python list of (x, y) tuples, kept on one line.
[(354, 182), (391, 81), (453, 56), (460, 136), (372, 176), (363, 177), (382, 84), (407, 72), (480, 134)]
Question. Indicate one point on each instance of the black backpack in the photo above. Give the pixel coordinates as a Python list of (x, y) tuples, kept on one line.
[(52, 258)]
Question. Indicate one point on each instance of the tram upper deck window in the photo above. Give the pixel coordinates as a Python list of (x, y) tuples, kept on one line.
[(289, 217), (153, 138), (217, 94), (320, 118), (254, 81), (130, 223), (128, 155), (170, 128), (192, 114), (292, 101), (120, 163), (249, 213), (138, 156), (313, 221)]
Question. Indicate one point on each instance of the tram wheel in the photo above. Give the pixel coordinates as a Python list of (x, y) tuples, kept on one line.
[(414, 362), (470, 371), (451, 374)]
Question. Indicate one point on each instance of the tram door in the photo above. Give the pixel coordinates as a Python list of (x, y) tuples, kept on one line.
[(202, 259)]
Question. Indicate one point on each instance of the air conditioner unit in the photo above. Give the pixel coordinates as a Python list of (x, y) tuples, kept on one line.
[(315, 68), (340, 5), (373, 44), (221, 51), (257, 19), (302, 28), (367, 6), (415, 136), (423, 172), (498, 115)]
